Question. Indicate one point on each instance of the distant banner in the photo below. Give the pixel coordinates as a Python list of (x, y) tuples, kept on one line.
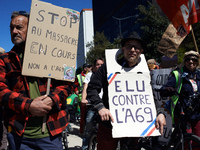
[(182, 13), (159, 77), (170, 41)]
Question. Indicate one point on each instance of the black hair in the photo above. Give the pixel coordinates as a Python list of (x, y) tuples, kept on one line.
[(18, 13), (98, 58)]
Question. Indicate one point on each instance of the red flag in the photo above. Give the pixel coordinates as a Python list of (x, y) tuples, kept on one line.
[(182, 13)]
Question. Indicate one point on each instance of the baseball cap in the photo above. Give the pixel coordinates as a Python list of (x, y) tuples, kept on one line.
[(86, 65)]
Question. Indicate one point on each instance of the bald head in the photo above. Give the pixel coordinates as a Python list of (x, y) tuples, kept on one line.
[(2, 51)]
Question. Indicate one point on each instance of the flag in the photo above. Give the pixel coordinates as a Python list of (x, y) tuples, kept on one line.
[(182, 13)]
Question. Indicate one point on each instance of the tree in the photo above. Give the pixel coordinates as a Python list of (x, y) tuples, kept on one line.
[(152, 25), (98, 46), (188, 42)]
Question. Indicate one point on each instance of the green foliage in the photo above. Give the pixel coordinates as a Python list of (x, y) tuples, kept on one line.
[(98, 46), (188, 42), (180, 54), (152, 25)]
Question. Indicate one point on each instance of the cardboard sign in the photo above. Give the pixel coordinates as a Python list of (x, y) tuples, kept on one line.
[(159, 77), (52, 39), (131, 100), (182, 13), (170, 41)]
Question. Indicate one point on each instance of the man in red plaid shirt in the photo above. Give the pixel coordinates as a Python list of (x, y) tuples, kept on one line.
[(24, 99)]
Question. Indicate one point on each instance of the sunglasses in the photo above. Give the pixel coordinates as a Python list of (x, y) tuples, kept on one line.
[(193, 59), (129, 47), (16, 13)]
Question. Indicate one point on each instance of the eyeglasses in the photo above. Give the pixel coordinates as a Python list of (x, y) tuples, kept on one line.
[(17, 13), (193, 59), (129, 47)]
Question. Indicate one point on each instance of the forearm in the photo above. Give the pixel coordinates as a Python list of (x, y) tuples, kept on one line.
[(84, 93), (15, 101), (159, 109)]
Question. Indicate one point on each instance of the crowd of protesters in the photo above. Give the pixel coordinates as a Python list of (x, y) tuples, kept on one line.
[(25, 103)]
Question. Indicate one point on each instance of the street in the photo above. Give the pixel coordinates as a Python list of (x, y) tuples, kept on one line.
[(74, 139)]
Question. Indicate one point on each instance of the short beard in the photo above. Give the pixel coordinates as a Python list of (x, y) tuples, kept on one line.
[(21, 45), (132, 62)]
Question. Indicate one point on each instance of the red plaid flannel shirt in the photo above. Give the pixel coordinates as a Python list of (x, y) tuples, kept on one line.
[(15, 97)]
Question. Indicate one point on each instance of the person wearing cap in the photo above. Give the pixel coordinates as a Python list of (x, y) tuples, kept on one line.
[(189, 76), (132, 46), (80, 77), (79, 81), (152, 64), (24, 97)]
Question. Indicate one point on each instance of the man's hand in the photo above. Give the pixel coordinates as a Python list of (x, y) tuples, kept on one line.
[(170, 89), (38, 107), (160, 122), (105, 115), (48, 101), (84, 101)]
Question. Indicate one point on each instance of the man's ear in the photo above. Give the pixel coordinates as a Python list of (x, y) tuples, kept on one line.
[(141, 50), (85, 69), (123, 49)]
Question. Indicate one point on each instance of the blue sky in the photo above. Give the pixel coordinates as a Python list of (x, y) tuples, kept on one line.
[(8, 6)]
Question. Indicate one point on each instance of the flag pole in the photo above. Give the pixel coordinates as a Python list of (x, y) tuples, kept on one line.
[(194, 39)]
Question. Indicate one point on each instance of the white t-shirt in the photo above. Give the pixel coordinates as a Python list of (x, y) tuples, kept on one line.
[(87, 77), (87, 80)]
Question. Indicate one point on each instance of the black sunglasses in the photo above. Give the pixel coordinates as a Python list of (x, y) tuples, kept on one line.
[(129, 47), (16, 13), (193, 59)]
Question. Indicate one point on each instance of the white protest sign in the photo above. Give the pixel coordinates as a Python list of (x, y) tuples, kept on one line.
[(52, 39), (131, 100), (159, 77), (113, 66)]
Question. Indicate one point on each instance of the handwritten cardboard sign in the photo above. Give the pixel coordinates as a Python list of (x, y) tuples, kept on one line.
[(170, 41), (52, 39), (131, 100)]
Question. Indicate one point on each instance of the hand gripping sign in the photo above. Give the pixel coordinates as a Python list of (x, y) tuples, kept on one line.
[(130, 98)]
